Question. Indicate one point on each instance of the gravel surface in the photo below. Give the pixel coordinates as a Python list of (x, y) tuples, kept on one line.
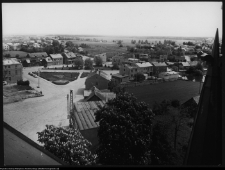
[(31, 115)]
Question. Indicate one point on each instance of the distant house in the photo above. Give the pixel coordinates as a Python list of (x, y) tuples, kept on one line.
[(118, 59), (96, 95), (143, 57), (159, 67), (12, 70), (26, 63), (102, 56), (47, 61), (163, 58), (57, 59), (80, 49), (36, 58), (144, 68), (68, 58), (127, 69), (180, 59), (84, 120), (120, 78), (193, 63), (5, 47), (98, 79), (186, 65), (134, 60)]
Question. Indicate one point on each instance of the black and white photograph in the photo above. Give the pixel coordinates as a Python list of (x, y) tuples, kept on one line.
[(112, 84)]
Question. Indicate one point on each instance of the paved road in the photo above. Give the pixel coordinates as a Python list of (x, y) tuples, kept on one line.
[(31, 115)]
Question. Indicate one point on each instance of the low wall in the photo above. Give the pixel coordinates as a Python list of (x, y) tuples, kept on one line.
[(133, 84)]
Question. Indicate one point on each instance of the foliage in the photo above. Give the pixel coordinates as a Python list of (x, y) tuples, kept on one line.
[(112, 84), (161, 108), (88, 63), (174, 68), (139, 77), (162, 152), (23, 83), (115, 66), (67, 144), (84, 74), (69, 44), (98, 61), (124, 132), (79, 63)]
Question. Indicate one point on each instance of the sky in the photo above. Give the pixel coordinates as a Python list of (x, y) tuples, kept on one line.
[(181, 19)]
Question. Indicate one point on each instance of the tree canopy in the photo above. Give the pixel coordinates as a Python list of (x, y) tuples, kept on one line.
[(79, 63), (124, 132), (139, 77), (67, 144), (98, 61), (88, 63)]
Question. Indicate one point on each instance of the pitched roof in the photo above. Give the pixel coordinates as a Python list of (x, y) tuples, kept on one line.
[(42, 54), (100, 73), (101, 94), (10, 61), (170, 63), (70, 55), (185, 64), (48, 59), (119, 75), (193, 63), (84, 114), (56, 56), (159, 64), (146, 64), (20, 150)]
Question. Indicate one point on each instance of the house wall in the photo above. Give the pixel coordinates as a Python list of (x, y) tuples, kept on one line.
[(57, 61), (159, 69), (13, 72), (102, 56), (120, 80), (117, 60), (97, 81)]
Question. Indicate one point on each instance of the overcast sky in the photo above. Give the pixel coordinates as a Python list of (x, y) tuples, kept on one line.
[(191, 19)]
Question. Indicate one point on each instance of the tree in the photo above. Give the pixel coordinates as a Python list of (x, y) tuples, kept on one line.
[(139, 77), (124, 132), (98, 61), (115, 66), (79, 63), (69, 44), (17, 56), (55, 43), (174, 68), (112, 84), (162, 152), (88, 63), (67, 144)]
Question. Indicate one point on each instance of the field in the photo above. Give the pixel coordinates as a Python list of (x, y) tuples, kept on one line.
[(181, 90), (14, 53), (53, 76), (15, 93)]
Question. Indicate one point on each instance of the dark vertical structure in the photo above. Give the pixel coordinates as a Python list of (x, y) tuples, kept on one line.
[(205, 146)]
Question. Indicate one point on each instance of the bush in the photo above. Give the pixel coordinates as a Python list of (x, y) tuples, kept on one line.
[(23, 83), (67, 144)]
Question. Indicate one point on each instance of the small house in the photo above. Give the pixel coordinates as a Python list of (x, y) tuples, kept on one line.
[(102, 56), (159, 67), (98, 79), (57, 59), (120, 78)]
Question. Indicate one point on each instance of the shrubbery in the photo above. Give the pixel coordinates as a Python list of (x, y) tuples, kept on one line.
[(67, 144), (23, 83)]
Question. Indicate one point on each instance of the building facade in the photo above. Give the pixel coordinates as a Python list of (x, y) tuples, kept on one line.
[(68, 58), (57, 59), (159, 67), (99, 79), (12, 70)]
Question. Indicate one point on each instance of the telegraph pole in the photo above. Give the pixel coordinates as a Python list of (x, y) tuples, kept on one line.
[(71, 107), (38, 78)]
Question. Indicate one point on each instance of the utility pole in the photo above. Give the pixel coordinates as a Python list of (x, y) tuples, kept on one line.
[(38, 78)]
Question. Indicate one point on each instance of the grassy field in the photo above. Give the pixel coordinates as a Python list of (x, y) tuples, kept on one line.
[(15, 93), (181, 90), (14, 53), (53, 76)]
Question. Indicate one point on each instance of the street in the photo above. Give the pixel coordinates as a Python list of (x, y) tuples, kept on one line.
[(31, 115)]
